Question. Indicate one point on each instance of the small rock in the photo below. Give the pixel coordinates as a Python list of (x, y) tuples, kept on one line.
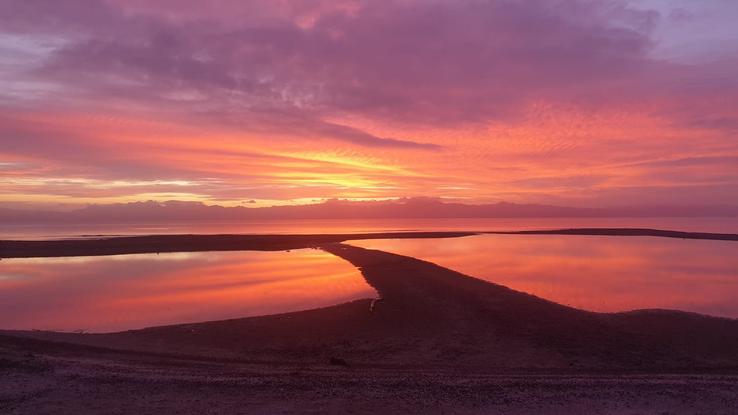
[(335, 361)]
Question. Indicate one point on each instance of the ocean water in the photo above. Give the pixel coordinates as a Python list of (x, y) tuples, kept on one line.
[(312, 226), (598, 273), (120, 292)]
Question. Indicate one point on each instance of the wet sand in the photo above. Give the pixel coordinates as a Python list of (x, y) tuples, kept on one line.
[(437, 341)]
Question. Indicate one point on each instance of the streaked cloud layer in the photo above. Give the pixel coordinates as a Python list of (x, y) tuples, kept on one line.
[(590, 103)]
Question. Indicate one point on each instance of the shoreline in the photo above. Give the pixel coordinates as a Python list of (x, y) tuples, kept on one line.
[(237, 242), (661, 233), (430, 315), (191, 243)]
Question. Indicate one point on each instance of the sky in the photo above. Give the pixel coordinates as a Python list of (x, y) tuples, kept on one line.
[(588, 103)]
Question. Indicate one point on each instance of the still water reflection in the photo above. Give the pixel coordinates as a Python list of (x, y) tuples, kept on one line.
[(600, 273), (132, 291)]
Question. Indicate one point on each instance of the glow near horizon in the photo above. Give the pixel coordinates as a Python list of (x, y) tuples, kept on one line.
[(587, 103)]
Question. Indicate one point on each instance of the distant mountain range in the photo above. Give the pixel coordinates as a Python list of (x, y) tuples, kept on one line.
[(175, 211)]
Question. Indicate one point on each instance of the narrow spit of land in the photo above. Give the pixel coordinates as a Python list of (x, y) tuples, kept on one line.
[(197, 243), (190, 243)]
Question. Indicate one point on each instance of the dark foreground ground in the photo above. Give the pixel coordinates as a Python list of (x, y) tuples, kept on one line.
[(437, 342), (70, 382)]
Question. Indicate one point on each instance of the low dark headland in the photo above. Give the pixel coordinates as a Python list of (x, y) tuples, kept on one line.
[(198, 243), (626, 232), (190, 243)]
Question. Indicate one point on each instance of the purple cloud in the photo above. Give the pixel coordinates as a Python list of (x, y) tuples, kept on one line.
[(409, 61), (346, 72)]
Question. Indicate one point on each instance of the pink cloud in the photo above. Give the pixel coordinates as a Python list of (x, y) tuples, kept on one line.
[(371, 79)]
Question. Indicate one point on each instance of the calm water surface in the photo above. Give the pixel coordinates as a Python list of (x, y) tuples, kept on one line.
[(313, 226), (112, 293), (601, 273)]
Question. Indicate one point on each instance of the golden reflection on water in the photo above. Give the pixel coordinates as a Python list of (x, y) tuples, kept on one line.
[(599, 273), (122, 292)]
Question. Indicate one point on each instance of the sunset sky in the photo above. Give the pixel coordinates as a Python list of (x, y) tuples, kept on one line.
[(262, 102)]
